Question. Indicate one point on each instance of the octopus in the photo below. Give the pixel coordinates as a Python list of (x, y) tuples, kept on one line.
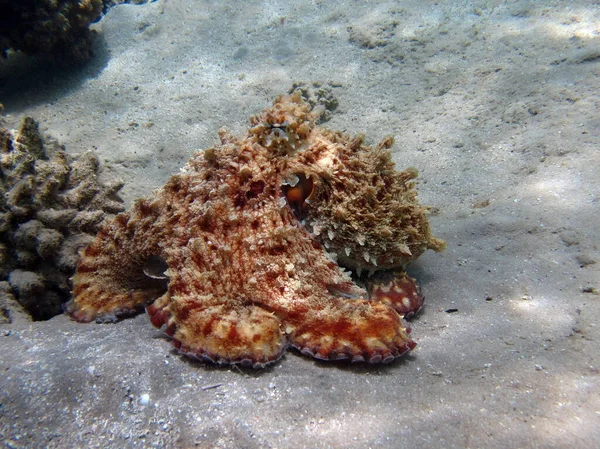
[(292, 235)]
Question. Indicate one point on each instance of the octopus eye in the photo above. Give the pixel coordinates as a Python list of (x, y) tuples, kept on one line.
[(297, 194), (155, 267)]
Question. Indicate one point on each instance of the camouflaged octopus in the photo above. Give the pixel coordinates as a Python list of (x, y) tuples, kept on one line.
[(292, 235)]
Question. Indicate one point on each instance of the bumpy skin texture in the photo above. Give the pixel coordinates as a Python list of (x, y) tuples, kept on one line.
[(251, 232)]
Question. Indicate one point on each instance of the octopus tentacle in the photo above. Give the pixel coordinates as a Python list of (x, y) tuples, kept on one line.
[(357, 330), (397, 290), (110, 282), (246, 335), (219, 325)]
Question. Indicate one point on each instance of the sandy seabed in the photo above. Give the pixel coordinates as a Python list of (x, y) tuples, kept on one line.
[(497, 105)]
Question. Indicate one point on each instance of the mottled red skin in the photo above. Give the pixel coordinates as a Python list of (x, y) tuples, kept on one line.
[(250, 232), (399, 291)]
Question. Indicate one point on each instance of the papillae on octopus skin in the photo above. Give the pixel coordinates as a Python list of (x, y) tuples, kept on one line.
[(154, 276), (155, 268), (338, 200), (297, 190), (365, 277)]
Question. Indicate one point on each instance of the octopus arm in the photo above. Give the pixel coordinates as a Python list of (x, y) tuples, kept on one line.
[(110, 282), (326, 315), (220, 332), (213, 320), (356, 330)]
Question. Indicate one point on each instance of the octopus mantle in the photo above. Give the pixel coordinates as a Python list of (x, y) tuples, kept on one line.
[(249, 249)]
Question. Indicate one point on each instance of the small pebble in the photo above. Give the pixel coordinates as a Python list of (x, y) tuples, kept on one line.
[(584, 260)]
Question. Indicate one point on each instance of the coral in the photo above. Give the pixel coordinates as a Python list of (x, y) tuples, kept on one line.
[(58, 27), (319, 97), (51, 205), (248, 250)]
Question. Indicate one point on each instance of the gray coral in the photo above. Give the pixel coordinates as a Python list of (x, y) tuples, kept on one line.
[(319, 96), (51, 204), (58, 27)]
